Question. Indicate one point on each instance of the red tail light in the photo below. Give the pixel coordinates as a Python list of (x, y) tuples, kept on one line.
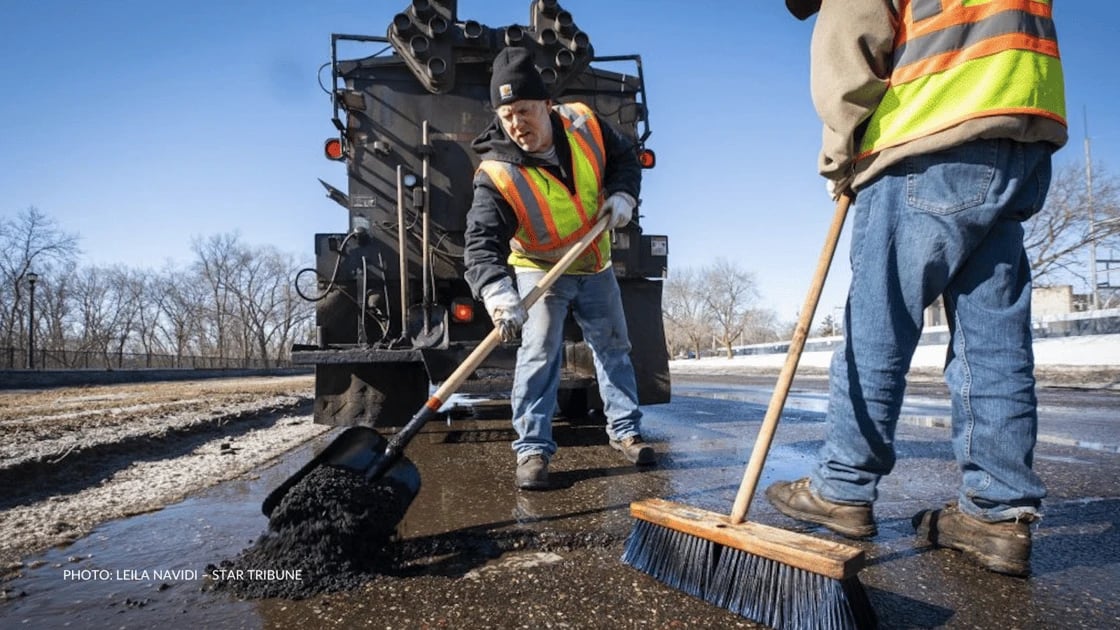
[(332, 148), (647, 158), (462, 310)]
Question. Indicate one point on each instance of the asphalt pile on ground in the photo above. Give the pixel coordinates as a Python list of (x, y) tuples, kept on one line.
[(335, 530), (328, 533)]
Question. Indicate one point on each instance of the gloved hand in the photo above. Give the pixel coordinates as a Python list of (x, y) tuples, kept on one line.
[(620, 208), (503, 303), (836, 188)]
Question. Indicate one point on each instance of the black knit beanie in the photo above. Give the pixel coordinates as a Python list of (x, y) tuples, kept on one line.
[(515, 78)]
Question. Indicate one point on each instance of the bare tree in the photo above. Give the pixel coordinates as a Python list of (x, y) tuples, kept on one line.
[(54, 304), (146, 291), (729, 294), (261, 285), (1058, 238), (31, 241), (180, 322), (761, 325), (218, 260), (297, 316), (687, 324), (233, 301), (104, 308), (95, 311)]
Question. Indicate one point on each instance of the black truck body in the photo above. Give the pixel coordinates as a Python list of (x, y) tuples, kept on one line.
[(393, 312)]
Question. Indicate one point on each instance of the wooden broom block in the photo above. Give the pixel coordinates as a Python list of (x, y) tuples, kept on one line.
[(823, 557)]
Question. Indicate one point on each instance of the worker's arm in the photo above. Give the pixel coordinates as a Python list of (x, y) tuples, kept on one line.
[(491, 223), (853, 42), (623, 172)]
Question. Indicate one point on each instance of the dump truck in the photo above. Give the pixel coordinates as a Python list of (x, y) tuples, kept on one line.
[(393, 313)]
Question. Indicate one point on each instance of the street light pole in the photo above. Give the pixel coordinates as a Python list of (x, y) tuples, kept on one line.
[(32, 278), (1094, 292)]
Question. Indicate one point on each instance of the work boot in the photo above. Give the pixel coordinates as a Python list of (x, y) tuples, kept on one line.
[(1003, 547), (532, 472), (635, 449), (797, 500)]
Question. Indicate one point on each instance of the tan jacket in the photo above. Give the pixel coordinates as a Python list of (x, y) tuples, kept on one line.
[(852, 47)]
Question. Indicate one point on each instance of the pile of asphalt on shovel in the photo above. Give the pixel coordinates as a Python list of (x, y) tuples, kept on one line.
[(336, 530), (330, 532)]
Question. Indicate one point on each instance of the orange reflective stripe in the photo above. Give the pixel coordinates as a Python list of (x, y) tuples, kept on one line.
[(943, 62), (583, 146), (931, 19), (587, 134), (957, 60), (551, 216), (506, 186), (549, 221), (966, 36)]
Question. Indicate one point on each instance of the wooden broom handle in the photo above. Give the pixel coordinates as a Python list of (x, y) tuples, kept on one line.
[(785, 378)]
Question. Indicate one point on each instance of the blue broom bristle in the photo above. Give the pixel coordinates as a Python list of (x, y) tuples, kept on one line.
[(748, 585)]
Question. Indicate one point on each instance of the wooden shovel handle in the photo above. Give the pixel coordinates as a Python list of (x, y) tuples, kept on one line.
[(785, 378), (471, 363), (401, 438)]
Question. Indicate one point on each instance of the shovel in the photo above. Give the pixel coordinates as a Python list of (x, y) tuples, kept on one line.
[(366, 452)]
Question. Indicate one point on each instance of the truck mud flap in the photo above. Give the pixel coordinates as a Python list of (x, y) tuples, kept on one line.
[(642, 301), (371, 394)]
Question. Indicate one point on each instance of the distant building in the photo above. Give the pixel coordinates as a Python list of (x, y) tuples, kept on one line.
[(1045, 302), (1048, 301)]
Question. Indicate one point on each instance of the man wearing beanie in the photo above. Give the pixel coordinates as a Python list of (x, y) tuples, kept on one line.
[(548, 172)]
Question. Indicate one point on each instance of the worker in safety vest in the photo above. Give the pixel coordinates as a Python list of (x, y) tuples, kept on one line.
[(548, 172), (942, 115)]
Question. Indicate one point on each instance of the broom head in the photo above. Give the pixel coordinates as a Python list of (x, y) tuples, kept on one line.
[(770, 575)]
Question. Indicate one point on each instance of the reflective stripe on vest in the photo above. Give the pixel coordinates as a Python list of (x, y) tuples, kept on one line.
[(956, 60), (549, 217)]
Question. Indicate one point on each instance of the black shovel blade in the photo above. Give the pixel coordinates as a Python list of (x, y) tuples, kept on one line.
[(360, 449), (427, 327)]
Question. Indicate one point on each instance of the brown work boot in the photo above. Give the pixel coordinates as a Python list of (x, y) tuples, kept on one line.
[(635, 449), (532, 472), (797, 500), (1003, 547)]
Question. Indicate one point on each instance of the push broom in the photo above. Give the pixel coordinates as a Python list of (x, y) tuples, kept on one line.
[(769, 575)]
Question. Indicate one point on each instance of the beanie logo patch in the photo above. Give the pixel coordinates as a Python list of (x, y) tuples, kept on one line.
[(505, 91)]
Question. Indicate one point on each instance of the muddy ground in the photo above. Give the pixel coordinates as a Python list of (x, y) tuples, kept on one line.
[(74, 457)]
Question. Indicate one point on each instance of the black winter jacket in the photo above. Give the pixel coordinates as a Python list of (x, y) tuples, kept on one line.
[(491, 222)]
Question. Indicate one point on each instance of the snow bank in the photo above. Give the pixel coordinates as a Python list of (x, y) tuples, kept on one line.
[(1085, 350)]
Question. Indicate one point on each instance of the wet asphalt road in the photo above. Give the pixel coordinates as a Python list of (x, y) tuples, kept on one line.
[(484, 555)]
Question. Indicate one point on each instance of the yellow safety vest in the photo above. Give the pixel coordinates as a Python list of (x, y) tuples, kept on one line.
[(550, 218), (957, 60)]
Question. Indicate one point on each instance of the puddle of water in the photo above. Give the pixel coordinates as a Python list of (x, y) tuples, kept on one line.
[(916, 410), (149, 569)]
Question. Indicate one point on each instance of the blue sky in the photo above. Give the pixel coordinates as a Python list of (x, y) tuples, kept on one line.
[(141, 124)]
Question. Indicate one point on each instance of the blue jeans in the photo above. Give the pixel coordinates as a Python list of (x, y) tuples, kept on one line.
[(945, 224), (596, 302)]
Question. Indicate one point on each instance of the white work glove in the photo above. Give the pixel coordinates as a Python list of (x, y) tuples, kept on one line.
[(503, 303), (836, 188), (620, 208)]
